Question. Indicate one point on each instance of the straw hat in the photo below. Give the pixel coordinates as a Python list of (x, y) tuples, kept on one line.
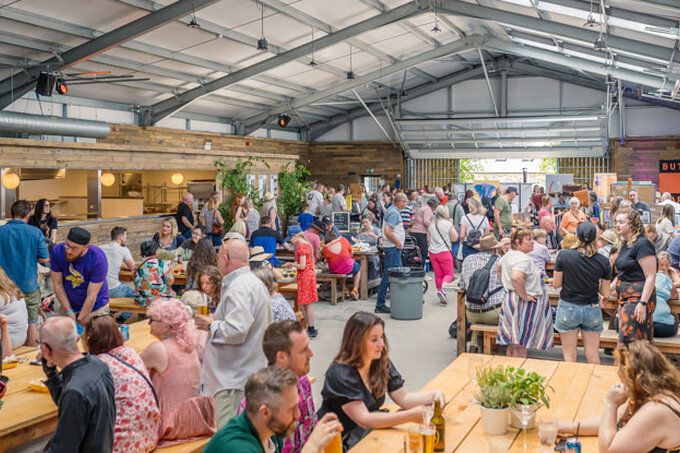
[(486, 242), (608, 236), (257, 254), (268, 196)]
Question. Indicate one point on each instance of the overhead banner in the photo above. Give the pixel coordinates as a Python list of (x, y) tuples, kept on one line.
[(669, 178)]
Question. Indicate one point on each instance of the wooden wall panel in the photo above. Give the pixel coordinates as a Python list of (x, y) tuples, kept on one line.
[(346, 162), (639, 158), (434, 172), (583, 168)]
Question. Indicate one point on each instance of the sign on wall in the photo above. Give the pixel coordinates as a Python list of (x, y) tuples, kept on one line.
[(669, 178)]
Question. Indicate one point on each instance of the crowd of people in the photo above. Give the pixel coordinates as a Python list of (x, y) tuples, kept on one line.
[(243, 366)]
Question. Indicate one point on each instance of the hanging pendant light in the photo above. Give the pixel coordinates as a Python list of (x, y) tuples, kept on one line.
[(262, 42), (10, 181), (193, 23), (313, 63), (350, 73)]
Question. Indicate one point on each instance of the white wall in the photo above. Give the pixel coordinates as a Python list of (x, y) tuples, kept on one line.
[(528, 95)]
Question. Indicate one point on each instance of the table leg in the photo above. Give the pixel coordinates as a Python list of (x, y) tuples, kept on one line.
[(462, 323), (363, 285)]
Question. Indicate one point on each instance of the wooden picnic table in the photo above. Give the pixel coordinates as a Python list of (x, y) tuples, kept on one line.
[(579, 392), (27, 415), (553, 295), (178, 272)]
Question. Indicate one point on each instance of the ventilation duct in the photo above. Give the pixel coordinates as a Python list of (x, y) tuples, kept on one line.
[(52, 125)]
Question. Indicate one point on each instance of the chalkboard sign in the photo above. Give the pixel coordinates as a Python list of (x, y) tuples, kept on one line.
[(341, 221)]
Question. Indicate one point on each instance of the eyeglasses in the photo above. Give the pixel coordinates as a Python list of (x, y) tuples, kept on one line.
[(151, 320), (38, 342), (73, 247)]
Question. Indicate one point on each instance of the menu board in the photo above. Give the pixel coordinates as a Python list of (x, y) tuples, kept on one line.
[(342, 221)]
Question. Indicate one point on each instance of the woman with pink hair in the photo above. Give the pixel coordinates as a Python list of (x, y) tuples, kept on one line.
[(176, 375)]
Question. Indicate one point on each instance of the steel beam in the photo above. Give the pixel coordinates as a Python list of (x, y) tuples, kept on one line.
[(169, 106), (461, 8), (509, 153), (576, 63), (25, 81), (448, 49), (500, 130), (517, 141), (318, 129)]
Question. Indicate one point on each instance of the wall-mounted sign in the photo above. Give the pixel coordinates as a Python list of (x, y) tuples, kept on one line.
[(669, 178)]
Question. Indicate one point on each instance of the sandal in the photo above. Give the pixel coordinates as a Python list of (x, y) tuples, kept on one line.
[(355, 294)]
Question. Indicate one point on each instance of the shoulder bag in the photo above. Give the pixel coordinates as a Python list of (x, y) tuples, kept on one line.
[(155, 397)]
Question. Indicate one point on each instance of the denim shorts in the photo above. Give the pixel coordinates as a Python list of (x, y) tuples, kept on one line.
[(570, 316)]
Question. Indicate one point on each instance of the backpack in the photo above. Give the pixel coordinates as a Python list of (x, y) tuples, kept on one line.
[(472, 237), (488, 204), (478, 289)]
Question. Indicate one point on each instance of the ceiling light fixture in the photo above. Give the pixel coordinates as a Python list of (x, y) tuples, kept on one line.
[(313, 63), (350, 73), (600, 43), (61, 87), (591, 22), (262, 42), (436, 28), (193, 23), (283, 120)]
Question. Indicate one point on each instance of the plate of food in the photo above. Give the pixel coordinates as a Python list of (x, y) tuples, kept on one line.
[(37, 385), (9, 362)]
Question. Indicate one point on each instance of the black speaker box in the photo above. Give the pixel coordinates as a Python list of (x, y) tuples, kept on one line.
[(45, 84)]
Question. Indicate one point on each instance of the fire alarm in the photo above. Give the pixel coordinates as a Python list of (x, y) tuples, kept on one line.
[(677, 145), (247, 143)]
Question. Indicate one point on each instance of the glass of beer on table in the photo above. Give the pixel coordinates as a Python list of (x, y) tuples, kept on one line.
[(429, 433), (413, 441)]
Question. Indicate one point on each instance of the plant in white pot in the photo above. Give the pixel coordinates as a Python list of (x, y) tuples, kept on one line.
[(529, 392), (493, 394)]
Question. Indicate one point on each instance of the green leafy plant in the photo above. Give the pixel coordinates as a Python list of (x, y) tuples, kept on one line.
[(548, 166), (294, 185), (467, 168), (493, 388), (528, 388), (234, 179)]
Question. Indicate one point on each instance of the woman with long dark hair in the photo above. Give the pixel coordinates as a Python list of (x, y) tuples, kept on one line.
[(42, 218), (359, 378), (641, 413), (209, 282), (204, 255)]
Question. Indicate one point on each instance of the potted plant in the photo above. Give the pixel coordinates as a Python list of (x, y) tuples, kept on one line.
[(294, 185), (493, 394), (233, 179), (527, 389)]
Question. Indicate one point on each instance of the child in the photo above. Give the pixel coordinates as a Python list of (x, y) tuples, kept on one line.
[(281, 309), (306, 277), (305, 219), (540, 254)]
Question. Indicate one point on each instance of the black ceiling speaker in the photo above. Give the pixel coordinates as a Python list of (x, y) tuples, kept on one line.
[(45, 84)]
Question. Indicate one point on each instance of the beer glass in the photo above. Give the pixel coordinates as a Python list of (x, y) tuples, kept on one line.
[(413, 441), (547, 433), (429, 433), (335, 445)]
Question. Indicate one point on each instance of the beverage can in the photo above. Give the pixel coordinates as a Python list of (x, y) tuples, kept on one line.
[(573, 445), (125, 332)]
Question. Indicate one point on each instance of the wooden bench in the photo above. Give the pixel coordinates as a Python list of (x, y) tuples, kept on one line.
[(291, 290), (334, 280), (189, 447), (125, 304), (608, 339)]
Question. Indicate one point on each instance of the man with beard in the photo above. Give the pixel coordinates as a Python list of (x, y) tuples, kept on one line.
[(79, 276), (270, 416), (286, 345)]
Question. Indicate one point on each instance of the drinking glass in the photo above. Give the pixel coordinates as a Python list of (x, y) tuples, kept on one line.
[(474, 363), (335, 445), (547, 433), (524, 413), (497, 444), (413, 441), (429, 434)]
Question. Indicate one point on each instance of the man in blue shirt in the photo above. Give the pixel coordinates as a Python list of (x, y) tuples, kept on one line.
[(393, 242), (267, 238), (79, 276), (22, 246)]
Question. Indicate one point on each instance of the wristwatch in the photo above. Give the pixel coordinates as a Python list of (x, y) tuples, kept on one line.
[(642, 302)]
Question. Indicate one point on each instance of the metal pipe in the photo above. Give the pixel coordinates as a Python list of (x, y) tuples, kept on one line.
[(574, 130), (51, 125), (621, 117), (374, 118), (488, 82)]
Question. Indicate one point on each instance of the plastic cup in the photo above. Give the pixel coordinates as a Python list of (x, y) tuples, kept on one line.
[(335, 445)]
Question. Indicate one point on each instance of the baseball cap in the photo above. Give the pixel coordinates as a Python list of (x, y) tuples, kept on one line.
[(586, 232)]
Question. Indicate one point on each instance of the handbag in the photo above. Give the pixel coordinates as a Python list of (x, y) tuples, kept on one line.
[(216, 228), (153, 390)]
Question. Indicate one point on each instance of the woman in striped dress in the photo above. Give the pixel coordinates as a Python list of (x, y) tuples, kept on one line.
[(526, 320)]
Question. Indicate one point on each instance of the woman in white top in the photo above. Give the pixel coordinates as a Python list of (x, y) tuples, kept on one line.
[(442, 234), (270, 209), (13, 315), (526, 319), (666, 223), (475, 225)]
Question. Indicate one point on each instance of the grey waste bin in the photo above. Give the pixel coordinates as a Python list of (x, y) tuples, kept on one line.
[(406, 292)]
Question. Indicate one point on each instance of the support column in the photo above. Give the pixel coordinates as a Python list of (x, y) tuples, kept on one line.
[(94, 194), (504, 93)]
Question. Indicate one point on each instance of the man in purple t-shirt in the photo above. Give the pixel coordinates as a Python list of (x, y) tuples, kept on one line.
[(79, 276)]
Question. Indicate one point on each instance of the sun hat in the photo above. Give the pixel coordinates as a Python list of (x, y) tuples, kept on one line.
[(318, 226), (608, 236), (257, 254), (486, 242), (268, 196)]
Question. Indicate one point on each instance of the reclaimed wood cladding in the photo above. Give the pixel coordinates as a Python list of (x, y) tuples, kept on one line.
[(346, 162), (638, 158)]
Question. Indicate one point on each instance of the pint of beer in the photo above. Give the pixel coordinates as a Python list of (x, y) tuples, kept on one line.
[(202, 307), (429, 433), (335, 446)]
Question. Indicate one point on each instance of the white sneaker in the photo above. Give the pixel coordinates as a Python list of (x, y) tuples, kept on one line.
[(450, 285), (442, 297)]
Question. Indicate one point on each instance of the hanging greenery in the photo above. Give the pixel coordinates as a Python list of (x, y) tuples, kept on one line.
[(234, 179), (294, 185), (467, 168), (548, 166)]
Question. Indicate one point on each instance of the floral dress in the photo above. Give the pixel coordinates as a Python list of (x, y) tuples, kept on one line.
[(151, 281), (306, 277), (137, 414)]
